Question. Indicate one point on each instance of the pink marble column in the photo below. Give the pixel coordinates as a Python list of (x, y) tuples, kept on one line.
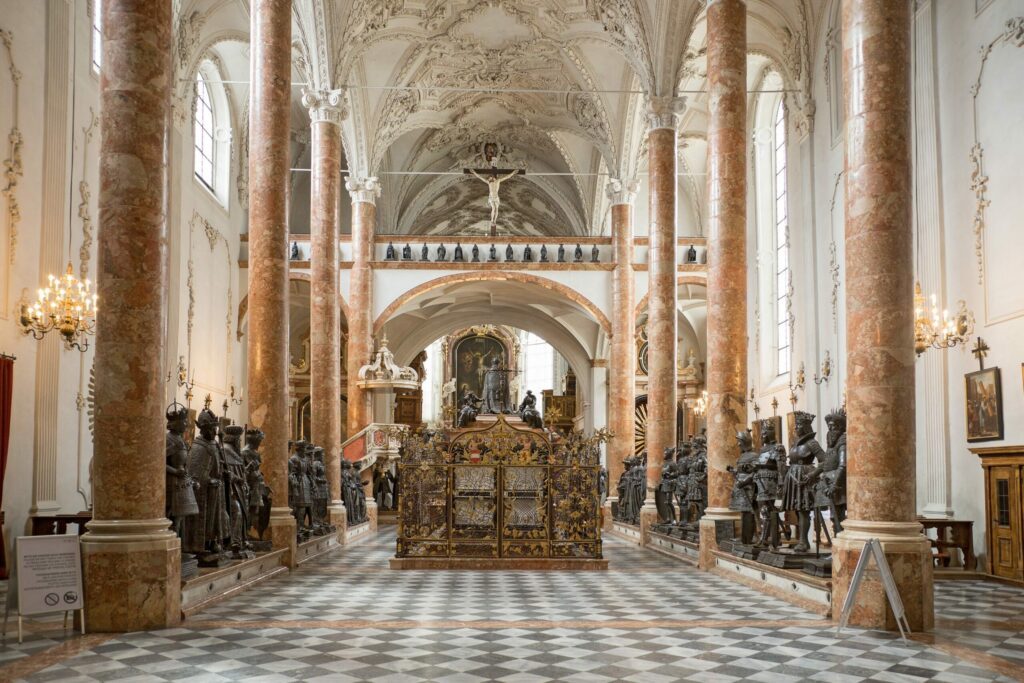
[(727, 261), (131, 559), (269, 113), (364, 193), (661, 318), (622, 373), (881, 475), (326, 111)]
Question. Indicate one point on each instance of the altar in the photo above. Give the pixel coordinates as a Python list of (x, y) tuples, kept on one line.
[(499, 495)]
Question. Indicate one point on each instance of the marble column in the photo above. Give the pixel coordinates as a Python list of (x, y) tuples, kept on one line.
[(726, 378), (326, 112), (364, 193), (881, 475), (131, 559), (269, 114), (622, 373), (661, 308)]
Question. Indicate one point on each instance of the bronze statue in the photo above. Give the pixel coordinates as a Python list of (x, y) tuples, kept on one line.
[(744, 490), (407, 252), (260, 494), (469, 410), (691, 255), (543, 253), (529, 413), (390, 253), (527, 254), (561, 253), (424, 253), (458, 253), (442, 253), (697, 482), (770, 462), (509, 254), (663, 494), (681, 485), (321, 493), (352, 494), (492, 255), (476, 254), (797, 490), (829, 477), (180, 488), (236, 492), (383, 492), (577, 255), (493, 380), (300, 494), (205, 532), (595, 254)]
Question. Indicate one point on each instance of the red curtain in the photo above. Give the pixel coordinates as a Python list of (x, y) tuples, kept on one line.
[(6, 391)]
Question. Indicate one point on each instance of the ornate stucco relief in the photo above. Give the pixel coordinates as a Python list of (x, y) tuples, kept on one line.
[(13, 169), (213, 238)]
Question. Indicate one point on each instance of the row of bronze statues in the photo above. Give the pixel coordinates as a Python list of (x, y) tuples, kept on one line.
[(217, 499), (769, 484), (308, 492), (441, 254), (472, 405)]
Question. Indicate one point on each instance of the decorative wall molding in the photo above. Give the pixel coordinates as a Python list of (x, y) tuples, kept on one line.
[(213, 238), (833, 251), (13, 170), (85, 250)]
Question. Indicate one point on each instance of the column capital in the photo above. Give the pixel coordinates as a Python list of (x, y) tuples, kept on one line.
[(663, 111), (622, 191), (325, 105), (363, 189)]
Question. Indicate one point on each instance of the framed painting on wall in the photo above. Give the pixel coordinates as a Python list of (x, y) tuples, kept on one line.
[(984, 405)]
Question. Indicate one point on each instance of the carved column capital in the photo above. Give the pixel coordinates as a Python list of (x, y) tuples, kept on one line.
[(622, 191), (325, 105), (363, 189), (663, 111)]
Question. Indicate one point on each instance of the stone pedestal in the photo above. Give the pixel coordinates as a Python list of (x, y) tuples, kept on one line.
[(131, 560), (727, 264), (648, 518), (282, 534), (606, 513), (337, 517), (371, 514)]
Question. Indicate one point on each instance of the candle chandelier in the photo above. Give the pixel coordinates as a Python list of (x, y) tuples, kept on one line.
[(700, 408), (66, 304), (939, 330)]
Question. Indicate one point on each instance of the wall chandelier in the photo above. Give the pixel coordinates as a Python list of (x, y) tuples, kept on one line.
[(939, 330)]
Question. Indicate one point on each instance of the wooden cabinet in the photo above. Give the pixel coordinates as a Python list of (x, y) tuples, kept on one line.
[(1004, 509)]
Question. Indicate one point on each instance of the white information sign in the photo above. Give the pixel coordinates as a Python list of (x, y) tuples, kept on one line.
[(49, 574)]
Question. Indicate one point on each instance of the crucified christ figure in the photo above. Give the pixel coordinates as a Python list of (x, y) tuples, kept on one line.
[(493, 183)]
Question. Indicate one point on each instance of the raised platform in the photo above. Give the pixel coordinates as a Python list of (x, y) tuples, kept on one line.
[(354, 534), (215, 584), (502, 563), (811, 593), (677, 548), (627, 532), (315, 547)]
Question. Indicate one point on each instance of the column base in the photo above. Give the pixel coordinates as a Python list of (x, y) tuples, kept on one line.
[(606, 513), (282, 531), (648, 518), (371, 514), (337, 517), (715, 525), (910, 560), (131, 573)]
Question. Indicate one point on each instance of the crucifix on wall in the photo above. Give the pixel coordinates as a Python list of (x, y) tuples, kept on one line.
[(494, 177)]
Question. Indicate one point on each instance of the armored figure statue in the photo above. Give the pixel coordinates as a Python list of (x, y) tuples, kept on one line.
[(527, 254), (458, 253), (390, 254), (543, 253), (493, 403), (476, 254), (744, 490), (829, 477), (181, 495), (697, 482), (595, 254), (300, 494), (424, 253), (691, 255), (294, 256), (561, 253), (236, 492), (577, 255), (529, 413), (797, 490), (469, 409), (259, 492), (407, 252), (205, 532), (681, 485), (629, 506), (382, 491), (770, 462), (663, 494), (442, 253), (509, 254), (492, 254), (352, 494), (321, 493)]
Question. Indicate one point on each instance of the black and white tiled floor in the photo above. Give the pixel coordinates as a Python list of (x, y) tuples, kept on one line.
[(347, 617)]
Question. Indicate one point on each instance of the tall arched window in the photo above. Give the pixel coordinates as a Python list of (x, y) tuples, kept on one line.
[(782, 272), (205, 154), (538, 366), (97, 35)]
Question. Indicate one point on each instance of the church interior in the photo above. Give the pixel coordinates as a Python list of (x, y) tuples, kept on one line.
[(511, 340)]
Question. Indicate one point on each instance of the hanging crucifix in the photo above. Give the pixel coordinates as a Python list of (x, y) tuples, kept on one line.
[(494, 177), (980, 350)]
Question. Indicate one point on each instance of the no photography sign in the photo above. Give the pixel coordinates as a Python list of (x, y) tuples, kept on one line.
[(49, 574)]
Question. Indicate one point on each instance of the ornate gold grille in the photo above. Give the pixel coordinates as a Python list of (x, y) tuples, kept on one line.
[(500, 491)]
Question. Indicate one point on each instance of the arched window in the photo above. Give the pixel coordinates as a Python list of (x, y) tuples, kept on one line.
[(205, 153), (97, 35), (538, 366), (783, 275)]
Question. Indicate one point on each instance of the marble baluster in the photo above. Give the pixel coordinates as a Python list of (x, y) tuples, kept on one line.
[(661, 320), (727, 262), (326, 111), (881, 475), (622, 377), (131, 559), (364, 192), (269, 129)]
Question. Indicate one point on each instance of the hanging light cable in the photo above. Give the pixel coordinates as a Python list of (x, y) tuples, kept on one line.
[(66, 304)]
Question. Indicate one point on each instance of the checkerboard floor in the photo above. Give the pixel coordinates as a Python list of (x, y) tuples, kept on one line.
[(346, 617)]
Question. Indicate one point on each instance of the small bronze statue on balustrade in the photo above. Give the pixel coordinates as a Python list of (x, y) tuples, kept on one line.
[(509, 254), (744, 490), (561, 253), (389, 254), (236, 493), (476, 254), (260, 495), (206, 531), (459, 257), (442, 254), (425, 253), (797, 489), (492, 254), (577, 255), (527, 254), (829, 478), (595, 254), (529, 413), (407, 252), (543, 253)]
